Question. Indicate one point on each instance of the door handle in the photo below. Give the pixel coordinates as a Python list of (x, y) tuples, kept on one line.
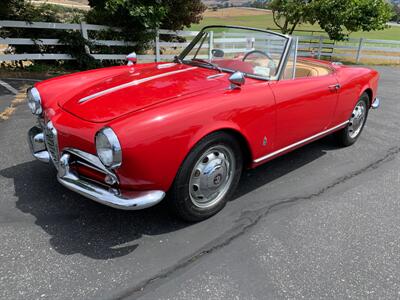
[(335, 87)]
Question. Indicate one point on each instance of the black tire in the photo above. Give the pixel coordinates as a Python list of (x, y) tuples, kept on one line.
[(346, 136), (180, 194)]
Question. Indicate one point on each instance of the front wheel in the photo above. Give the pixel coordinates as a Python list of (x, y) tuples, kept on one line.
[(350, 134), (207, 178)]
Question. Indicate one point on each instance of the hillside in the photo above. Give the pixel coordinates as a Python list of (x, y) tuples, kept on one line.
[(207, 2), (246, 2)]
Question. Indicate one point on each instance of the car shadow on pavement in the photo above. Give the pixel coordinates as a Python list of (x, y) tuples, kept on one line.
[(283, 165), (78, 225)]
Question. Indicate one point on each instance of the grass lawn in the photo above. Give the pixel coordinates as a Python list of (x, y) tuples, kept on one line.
[(264, 20)]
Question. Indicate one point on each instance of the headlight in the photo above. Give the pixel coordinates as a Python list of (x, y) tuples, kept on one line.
[(108, 148), (34, 101)]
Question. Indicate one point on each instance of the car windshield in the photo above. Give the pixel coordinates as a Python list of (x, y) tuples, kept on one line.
[(256, 53)]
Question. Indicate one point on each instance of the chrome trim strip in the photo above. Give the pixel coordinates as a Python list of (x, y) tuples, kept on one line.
[(132, 83), (165, 66), (51, 141), (283, 61), (91, 159), (90, 166), (216, 76), (111, 197), (296, 48), (258, 160)]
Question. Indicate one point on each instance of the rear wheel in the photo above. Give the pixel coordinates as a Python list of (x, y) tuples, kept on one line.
[(350, 134), (207, 178)]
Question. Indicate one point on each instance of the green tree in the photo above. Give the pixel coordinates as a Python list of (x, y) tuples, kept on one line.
[(182, 13), (396, 13), (138, 18), (338, 18), (287, 14), (25, 11)]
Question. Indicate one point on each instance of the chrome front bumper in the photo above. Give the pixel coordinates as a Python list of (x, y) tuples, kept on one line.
[(37, 145), (127, 200)]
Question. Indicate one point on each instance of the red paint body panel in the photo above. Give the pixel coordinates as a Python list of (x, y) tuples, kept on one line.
[(159, 121), (160, 141), (354, 82), (305, 106), (168, 83)]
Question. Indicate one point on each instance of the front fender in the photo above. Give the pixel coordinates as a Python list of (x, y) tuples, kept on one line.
[(153, 153), (221, 126)]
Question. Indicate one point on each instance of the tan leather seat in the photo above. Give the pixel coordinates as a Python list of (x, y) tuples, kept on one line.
[(306, 69)]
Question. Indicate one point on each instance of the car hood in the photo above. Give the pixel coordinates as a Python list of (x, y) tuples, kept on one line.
[(135, 88)]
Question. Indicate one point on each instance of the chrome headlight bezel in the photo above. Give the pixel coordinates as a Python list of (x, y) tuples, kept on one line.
[(108, 148), (34, 101)]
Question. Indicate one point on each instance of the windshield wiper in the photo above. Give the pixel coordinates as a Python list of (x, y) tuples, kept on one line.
[(214, 66)]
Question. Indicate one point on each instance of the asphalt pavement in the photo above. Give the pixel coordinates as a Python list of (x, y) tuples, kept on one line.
[(321, 222)]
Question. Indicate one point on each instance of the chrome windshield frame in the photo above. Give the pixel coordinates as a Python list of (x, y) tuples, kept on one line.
[(282, 62)]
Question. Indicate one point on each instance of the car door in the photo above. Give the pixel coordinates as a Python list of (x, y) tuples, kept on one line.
[(304, 107)]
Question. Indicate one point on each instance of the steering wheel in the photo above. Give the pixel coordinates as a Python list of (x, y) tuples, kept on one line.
[(270, 65)]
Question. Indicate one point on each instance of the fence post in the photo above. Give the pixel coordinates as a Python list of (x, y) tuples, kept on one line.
[(358, 57), (321, 38), (158, 49), (250, 43), (85, 35)]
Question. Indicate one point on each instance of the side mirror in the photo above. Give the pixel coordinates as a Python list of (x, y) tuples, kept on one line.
[(237, 80), (131, 58), (217, 53)]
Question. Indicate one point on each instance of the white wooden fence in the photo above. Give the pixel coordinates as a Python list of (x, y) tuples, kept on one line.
[(357, 50)]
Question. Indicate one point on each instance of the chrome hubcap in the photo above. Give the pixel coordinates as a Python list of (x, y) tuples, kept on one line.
[(211, 176), (357, 119)]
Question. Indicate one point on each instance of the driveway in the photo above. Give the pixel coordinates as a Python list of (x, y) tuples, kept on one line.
[(321, 222)]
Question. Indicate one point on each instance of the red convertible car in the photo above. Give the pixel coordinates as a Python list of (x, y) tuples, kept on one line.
[(235, 98)]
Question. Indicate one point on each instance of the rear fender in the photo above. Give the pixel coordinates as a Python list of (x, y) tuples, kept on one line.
[(371, 87)]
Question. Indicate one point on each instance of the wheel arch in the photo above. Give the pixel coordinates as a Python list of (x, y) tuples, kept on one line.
[(370, 94), (244, 145), (236, 133), (367, 90)]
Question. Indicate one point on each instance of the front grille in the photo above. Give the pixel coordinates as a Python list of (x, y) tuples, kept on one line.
[(50, 138)]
